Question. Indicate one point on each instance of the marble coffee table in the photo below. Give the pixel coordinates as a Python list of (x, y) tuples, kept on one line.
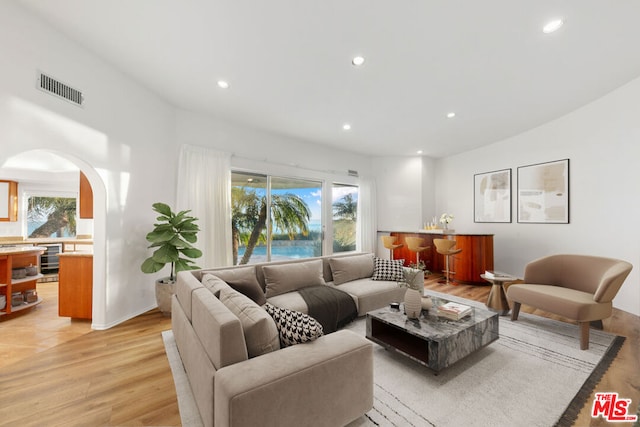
[(432, 341)]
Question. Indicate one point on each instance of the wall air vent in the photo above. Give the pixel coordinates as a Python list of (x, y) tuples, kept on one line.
[(54, 87), (351, 172)]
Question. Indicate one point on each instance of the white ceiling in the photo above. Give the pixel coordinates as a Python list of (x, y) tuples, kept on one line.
[(289, 63)]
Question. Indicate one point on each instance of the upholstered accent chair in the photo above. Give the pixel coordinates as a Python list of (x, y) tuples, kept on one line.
[(578, 287)]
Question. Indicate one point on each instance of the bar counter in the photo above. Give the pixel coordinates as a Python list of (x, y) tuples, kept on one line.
[(466, 267)]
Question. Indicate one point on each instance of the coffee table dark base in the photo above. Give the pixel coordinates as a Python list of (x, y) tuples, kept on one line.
[(432, 342)]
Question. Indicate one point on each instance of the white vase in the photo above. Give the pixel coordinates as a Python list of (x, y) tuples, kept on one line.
[(412, 303)]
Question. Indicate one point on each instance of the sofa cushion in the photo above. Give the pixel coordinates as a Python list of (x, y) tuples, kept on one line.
[(214, 284), (290, 300), (243, 280), (260, 331), (385, 269), (290, 277), (294, 327), (346, 269)]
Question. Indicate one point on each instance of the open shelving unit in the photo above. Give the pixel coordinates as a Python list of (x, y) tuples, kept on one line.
[(10, 259)]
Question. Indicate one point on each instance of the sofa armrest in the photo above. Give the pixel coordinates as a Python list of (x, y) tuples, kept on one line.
[(326, 382)]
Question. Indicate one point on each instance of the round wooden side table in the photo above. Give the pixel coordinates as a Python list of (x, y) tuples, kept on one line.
[(497, 300)]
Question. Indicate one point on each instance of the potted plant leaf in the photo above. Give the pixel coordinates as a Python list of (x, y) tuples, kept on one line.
[(172, 237)]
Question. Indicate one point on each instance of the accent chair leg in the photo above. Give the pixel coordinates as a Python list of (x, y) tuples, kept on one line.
[(584, 335), (515, 310)]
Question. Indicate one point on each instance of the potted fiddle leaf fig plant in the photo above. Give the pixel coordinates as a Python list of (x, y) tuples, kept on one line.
[(172, 237)]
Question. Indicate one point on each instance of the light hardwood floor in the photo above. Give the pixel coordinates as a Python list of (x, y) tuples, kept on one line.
[(56, 372)]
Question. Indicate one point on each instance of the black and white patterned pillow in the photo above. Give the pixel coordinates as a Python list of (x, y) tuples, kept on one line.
[(384, 269), (294, 327)]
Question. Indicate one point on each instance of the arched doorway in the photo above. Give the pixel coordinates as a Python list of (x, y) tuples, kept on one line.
[(33, 166)]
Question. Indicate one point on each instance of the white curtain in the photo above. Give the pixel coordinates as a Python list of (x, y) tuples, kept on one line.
[(367, 219), (204, 187)]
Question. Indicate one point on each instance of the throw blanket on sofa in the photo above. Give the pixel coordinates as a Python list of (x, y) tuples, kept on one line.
[(331, 307)]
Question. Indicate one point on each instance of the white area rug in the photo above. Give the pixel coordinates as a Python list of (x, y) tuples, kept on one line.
[(186, 404), (534, 375)]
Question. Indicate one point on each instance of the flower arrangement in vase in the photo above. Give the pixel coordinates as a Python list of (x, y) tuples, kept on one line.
[(446, 219)]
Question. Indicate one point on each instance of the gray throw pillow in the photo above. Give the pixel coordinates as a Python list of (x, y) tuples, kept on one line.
[(285, 278), (243, 279), (348, 268), (260, 332), (214, 284)]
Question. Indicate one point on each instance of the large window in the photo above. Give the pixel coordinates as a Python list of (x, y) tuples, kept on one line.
[(275, 218), (51, 216), (345, 217)]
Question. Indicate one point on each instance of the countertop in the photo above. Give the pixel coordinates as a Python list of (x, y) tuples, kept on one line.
[(21, 250), (437, 231), (75, 254), (44, 240)]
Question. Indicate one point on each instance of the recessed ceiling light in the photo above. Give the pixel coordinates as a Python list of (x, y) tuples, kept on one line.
[(552, 26), (346, 126), (419, 152), (223, 84), (451, 115), (357, 60)]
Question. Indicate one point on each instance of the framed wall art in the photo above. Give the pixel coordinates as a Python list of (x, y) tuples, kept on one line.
[(492, 196), (543, 193)]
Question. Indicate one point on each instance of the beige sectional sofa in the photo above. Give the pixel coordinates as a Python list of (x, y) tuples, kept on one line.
[(231, 348)]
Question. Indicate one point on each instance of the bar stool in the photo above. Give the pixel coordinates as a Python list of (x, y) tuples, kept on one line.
[(414, 244), (389, 242), (445, 247)]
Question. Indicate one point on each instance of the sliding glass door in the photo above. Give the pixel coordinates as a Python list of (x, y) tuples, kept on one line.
[(275, 218), (345, 217)]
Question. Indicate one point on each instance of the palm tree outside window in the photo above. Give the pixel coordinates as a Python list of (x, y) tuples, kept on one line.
[(345, 217), (275, 218), (51, 216)]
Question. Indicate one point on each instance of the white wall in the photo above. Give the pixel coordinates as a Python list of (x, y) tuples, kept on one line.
[(274, 154), (269, 152), (399, 183), (123, 139), (602, 141)]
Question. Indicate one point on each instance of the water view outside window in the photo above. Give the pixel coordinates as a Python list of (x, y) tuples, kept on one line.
[(275, 218), (51, 216), (345, 217)]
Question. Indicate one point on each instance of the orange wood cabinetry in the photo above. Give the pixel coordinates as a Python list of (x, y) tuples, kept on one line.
[(18, 257), (75, 285), (8, 200), (86, 197), (476, 256)]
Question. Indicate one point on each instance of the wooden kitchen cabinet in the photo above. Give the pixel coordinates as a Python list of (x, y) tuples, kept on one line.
[(75, 285), (18, 258), (86, 198), (8, 200)]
